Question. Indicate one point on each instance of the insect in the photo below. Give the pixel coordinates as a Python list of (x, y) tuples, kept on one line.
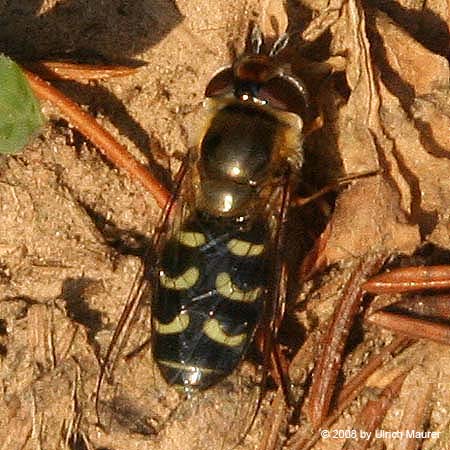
[(217, 278), (216, 274)]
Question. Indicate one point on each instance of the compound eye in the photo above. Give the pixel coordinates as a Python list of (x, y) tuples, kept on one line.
[(222, 83), (286, 93)]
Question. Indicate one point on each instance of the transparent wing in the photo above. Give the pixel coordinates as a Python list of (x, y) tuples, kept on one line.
[(138, 405)]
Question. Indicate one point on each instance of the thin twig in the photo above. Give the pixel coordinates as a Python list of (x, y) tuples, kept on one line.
[(59, 70), (412, 327), (430, 306), (373, 414), (101, 138), (409, 279), (416, 412), (330, 360), (349, 392)]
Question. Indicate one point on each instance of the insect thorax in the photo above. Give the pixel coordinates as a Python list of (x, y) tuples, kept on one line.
[(244, 149)]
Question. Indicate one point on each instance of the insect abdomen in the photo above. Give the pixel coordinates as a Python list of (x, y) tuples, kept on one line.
[(211, 289)]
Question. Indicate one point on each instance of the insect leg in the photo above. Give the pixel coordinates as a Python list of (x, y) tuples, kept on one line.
[(134, 301), (276, 308), (302, 201)]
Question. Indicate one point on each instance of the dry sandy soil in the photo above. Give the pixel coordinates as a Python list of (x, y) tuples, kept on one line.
[(72, 226)]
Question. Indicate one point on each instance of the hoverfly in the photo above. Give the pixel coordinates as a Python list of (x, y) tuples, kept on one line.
[(216, 281), (216, 271)]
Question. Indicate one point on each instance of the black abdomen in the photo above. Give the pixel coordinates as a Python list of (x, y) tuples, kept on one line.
[(212, 283)]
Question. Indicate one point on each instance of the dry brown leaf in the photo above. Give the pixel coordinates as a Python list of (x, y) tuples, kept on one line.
[(328, 14), (428, 23), (414, 66), (364, 146), (414, 73), (375, 130)]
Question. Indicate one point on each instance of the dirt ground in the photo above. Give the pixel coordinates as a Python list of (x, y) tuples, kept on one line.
[(72, 226)]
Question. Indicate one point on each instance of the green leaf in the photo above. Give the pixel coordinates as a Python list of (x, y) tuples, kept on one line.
[(20, 113)]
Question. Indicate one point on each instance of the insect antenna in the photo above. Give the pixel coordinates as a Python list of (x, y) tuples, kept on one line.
[(256, 39), (279, 45)]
